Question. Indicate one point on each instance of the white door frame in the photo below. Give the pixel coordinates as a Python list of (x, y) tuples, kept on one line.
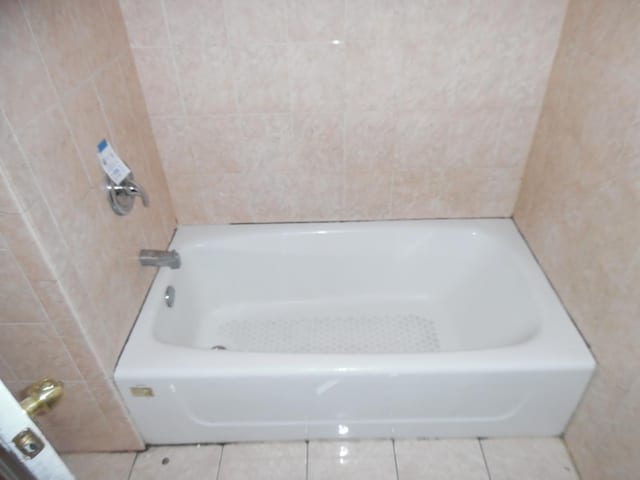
[(13, 420)]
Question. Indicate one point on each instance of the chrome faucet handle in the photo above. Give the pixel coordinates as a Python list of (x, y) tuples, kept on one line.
[(121, 196), (133, 188)]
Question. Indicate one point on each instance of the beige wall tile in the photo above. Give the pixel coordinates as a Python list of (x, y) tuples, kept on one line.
[(174, 144), (421, 139), (94, 32), (373, 21), (226, 197), (50, 359), (6, 373), (319, 196), (254, 21), (467, 71), (159, 81), (261, 73), (146, 22), (118, 40), (369, 142), (20, 239), (51, 246), (20, 304), (515, 134), (62, 46), (473, 137), (271, 198), (432, 21), (207, 80), (416, 194), (266, 143), (317, 144), (115, 99), (427, 77), (17, 172), (196, 24), (61, 302), (8, 202), (22, 67), (187, 198), (312, 21), (372, 75), (317, 77), (54, 160), (579, 191), (216, 143), (367, 195), (89, 127)]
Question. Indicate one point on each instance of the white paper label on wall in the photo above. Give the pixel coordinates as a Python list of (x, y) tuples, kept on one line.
[(111, 163)]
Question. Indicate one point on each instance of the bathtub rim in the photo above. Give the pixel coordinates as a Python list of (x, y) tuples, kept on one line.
[(558, 344)]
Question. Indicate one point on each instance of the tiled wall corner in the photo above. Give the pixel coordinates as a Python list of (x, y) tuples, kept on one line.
[(76, 284), (373, 109), (578, 209)]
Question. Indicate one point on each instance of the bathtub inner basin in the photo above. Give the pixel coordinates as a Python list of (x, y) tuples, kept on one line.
[(323, 292)]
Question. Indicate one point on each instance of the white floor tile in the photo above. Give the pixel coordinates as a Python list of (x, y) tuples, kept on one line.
[(264, 461), (370, 460), (440, 460), (100, 466), (528, 459), (185, 463)]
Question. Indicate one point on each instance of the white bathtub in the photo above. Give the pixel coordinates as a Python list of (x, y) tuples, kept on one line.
[(352, 330)]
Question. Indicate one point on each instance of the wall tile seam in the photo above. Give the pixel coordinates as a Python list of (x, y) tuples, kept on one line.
[(59, 104), (252, 44), (26, 324), (542, 105), (174, 62), (138, 135), (33, 230), (147, 158), (58, 94), (4, 364), (602, 64), (290, 96), (77, 323), (26, 219), (70, 358), (90, 80), (5, 182), (47, 316), (347, 111)]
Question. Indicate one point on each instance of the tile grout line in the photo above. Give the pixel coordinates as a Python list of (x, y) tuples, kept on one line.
[(306, 461), (133, 464), (484, 457), (35, 233), (395, 458), (220, 461)]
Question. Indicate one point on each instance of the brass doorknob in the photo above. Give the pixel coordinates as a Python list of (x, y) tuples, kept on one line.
[(42, 396)]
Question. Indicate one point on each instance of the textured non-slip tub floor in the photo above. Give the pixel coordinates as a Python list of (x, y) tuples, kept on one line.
[(492, 459)]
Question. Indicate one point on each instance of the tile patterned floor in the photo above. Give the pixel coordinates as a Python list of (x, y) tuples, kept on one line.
[(491, 459)]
